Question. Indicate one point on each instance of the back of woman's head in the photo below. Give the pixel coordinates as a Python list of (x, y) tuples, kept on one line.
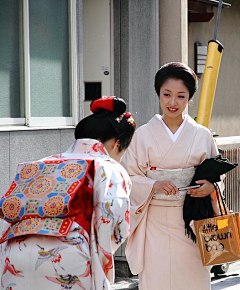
[(108, 121), (177, 70)]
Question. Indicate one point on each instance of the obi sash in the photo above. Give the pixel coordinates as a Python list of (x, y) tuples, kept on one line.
[(179, 177), (41, 198)]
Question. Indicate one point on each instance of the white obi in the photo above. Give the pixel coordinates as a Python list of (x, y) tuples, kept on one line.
[(179, 177)]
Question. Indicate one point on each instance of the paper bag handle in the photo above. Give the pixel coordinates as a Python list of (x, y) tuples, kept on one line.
[(220, 200)]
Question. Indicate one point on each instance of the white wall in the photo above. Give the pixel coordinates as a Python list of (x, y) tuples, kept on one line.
[(97, 44)]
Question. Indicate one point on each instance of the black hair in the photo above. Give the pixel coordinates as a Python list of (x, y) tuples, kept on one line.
[(179, 71), (105, 125)]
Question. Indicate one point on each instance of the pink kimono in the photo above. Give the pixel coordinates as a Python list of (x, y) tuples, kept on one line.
[(158, 249), (69, 213)]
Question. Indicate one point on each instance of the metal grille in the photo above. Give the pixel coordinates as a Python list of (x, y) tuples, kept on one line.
[(232, 180)]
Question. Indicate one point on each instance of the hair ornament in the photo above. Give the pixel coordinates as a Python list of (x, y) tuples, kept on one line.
[(119, 119), (106, 103), (127, 114), (111, 104)]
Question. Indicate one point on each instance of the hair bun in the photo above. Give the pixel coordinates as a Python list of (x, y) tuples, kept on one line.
[(119, 105), (111, 104)]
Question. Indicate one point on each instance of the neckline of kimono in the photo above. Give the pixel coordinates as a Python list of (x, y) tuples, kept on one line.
[(173, 136), (88, 146)]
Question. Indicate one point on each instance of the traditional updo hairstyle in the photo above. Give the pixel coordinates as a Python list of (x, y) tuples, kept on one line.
[(178, 71), (107, 121)]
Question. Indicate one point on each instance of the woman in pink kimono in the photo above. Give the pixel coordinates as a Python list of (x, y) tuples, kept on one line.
[(161, 159), (68, 213)]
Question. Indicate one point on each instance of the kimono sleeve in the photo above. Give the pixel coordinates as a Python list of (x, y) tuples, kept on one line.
[(214, 149), (135, 161), (110, 223)]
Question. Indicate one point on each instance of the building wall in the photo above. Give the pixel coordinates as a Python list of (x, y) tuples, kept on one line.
[(22, 146), (173, 31), (136, 55), (225, 116)]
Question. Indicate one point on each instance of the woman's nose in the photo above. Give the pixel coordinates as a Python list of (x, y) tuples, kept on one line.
[(173, 101)]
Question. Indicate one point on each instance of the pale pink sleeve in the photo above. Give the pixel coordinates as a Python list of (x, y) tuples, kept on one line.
[(214, 149)]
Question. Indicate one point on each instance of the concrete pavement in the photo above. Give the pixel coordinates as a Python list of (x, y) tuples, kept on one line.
[(228, 281), (125, 283)]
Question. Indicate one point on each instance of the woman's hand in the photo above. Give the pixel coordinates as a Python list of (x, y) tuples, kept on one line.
[(206, 188), (164, 187)]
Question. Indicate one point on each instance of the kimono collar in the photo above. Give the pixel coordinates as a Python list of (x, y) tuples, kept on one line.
[(88, 146)]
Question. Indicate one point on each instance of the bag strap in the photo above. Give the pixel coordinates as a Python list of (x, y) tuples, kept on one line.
[(220, 199)]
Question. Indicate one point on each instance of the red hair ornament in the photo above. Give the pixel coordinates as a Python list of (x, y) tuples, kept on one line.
[(103, 103)]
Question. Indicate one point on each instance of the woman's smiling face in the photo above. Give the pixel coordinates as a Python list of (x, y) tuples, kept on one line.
[(174, 97)]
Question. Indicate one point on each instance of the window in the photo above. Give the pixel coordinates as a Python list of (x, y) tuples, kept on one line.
[(38, 62), (93, 90), (10, 106)]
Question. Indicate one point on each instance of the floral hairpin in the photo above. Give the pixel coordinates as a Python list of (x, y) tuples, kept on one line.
[(119, 119), (127, 114)]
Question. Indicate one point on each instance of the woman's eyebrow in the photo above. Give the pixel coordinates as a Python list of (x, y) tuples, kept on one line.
[(178, 92)]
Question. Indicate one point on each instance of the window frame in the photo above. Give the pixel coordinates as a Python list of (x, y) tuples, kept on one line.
[(25, 96)]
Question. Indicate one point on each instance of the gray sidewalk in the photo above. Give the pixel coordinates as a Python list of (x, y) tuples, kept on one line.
[(228, 281), (126, 283)]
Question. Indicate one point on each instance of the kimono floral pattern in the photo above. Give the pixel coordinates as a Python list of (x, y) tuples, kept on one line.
[(82, 259)]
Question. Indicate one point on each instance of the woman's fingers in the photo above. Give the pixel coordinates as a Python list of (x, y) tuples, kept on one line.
[(165, 187), (198, 192), (206, 188), (165, 191), (171, 188)]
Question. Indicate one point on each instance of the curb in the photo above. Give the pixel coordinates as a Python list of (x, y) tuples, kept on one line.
[(125, 283)]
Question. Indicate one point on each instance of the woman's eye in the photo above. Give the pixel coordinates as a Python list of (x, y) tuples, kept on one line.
[(166, 95), (181, 97)]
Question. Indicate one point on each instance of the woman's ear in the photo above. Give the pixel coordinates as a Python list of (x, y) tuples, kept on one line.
[(117, 144)]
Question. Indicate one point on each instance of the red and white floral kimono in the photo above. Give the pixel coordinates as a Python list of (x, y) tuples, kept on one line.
[(68, 214)]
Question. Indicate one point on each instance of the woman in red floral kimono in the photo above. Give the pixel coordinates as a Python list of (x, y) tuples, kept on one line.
[(68, 213)]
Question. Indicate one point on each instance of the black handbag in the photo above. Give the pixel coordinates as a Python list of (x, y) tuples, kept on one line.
[(197, 208)]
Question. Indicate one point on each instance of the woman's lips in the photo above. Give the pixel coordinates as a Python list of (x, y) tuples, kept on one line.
[(172, 110)]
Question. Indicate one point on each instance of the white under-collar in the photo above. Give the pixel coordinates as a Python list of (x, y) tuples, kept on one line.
[(175, 135)]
